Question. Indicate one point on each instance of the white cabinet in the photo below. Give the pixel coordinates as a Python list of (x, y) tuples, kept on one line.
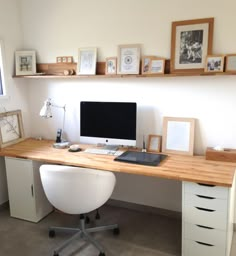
[(207, 219), (26, 196)]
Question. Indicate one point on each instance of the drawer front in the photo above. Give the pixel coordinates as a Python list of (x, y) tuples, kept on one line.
[(206, 202), (205, 235), (194, 248), (206, 190), (201, 216)]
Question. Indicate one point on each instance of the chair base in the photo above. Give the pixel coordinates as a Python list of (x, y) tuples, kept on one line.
[(82, 232)]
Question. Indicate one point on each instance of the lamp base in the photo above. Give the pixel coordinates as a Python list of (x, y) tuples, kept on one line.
[(61, 145)]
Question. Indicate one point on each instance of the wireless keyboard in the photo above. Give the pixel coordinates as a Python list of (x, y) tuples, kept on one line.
[(101, 151)]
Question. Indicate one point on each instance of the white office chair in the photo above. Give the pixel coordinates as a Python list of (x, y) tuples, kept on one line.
[(76, 190)]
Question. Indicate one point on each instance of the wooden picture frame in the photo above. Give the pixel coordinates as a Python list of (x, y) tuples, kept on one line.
[(178, 135), (191, 42), (154, 143), (11, 128), (25, 62), (214, 63), (87, 60), (65, 59), (111, 66), (146, 64), (230, 63), (157, 65), (128, 60)]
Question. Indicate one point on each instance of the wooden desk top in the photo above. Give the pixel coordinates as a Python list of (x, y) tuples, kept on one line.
[(176, 167)]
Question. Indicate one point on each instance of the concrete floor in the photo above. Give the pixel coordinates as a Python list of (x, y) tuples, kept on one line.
[(141, 234)]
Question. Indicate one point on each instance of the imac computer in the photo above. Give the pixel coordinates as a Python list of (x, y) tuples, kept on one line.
[(108, 123)]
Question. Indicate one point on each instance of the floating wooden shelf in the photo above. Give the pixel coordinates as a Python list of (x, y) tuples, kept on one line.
[(56, 70)]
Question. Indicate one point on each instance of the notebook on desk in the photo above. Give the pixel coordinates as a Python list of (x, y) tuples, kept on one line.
[(141, 158)]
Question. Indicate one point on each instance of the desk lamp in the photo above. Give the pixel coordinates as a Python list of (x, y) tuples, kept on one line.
[(46, 112)]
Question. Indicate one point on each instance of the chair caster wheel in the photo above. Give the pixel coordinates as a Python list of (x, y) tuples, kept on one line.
[(51, 234), (101, 254), (116, 231)]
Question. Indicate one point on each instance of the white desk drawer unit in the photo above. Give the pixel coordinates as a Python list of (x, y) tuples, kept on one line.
[(206, 220)]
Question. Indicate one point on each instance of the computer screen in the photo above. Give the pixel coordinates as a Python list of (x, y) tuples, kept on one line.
[(111, 123)]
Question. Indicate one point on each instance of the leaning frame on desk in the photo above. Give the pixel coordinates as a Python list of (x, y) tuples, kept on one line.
[(207, 187)]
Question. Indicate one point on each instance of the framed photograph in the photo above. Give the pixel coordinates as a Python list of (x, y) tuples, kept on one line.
[(178, 135), (230, 63), (11, 128), (25, 63), (191, 42), (111, 67), (157, 65), (87, 60), (146, 64), (154, 143), (128, 61), (214, 63)]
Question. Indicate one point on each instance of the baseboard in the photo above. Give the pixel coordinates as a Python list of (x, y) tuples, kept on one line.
[(145, 208)]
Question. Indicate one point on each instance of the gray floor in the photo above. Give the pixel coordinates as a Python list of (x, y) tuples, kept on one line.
[(141, 234)]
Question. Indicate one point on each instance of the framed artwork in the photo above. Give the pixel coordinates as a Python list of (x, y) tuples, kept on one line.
[(25, 63), (11, 128), (111, 67), (178, 135), (191, 42), (87, 60), (157, 66), (64, 59), (230, 63), (146, 64), (214, 63), (128, 61), (154, 143)]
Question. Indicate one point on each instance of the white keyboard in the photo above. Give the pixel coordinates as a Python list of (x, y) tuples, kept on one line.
[(101, 151)]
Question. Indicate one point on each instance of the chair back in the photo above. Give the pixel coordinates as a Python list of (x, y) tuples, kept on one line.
[(76, 190)]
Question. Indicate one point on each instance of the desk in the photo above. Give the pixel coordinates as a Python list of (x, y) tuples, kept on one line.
[(216, 184)]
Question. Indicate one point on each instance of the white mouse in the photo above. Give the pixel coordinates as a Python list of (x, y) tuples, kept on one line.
[(74, 147)]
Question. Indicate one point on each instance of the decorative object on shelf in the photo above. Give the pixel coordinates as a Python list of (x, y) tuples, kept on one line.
[(225, 154), (11, 128), (65, 59), (69, 72), (214, 63), (191, 42), (146, 64), (25, 63), (154, 143), (157, 65), (230, 63), (87, 59), (128, 61), (111, 66), (178, 135)]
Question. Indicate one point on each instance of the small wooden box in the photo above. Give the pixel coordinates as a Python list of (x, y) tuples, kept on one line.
[(226, 155)]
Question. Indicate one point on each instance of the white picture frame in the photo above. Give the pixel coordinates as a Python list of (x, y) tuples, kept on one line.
[(178, 135), (87, 60), (111, 66), (25, 63), (11, 128), (128, 60)]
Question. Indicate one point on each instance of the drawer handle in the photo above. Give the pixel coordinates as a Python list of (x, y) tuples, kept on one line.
[(201, 226), (204, 243), (204, 209), (206, 185), (206, 197)]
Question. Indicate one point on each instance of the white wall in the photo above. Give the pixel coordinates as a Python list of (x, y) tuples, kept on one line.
[(56, 28)]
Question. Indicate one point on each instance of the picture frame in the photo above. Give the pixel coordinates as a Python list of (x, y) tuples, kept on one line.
[(214, 63), (25, 63), (65, 59), (111, 66), (154, 143), (87, 60), (128, 60), (178, 135), (157, 65), (146, 64), (191, 42), (230, 63), (11, 128)]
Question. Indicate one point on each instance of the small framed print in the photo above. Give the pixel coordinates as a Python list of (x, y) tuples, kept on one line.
[(59, 60), (154, 143), (64, 59), (128, 61), (214, 63), (157, 66), (178, 135), (230, 63), (25, 63), (111, 66), (87, 60), (146, 64), (11, 128)]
